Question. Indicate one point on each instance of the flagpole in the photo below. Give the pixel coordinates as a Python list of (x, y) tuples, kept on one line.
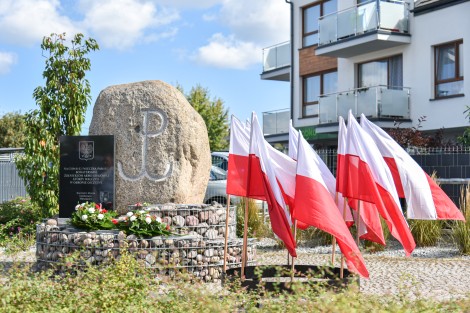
[(358, 221), (293, 258), (333, 243), (245, 226), (341, 271), (226, 234)]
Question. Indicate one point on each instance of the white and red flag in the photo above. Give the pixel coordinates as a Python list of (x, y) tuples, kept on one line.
[(325, 172), (315, 206), (370, 180), (239, 164), (278, 212), (370, 227), (425, 199)]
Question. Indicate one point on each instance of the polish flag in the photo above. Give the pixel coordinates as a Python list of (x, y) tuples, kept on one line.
[(370, 180), (278, 211), (370, 227), (315, 206), (239, 164), (425, 199), (325, 172)]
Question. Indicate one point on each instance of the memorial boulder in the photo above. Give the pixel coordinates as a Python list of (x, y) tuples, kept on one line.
[(162, 148)]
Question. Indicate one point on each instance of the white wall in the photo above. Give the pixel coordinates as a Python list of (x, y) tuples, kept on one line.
[(426, 30), (430, 29)]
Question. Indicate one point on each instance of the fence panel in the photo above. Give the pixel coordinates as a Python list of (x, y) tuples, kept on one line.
[(11, 185)]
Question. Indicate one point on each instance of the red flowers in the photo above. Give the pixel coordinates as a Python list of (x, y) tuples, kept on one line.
[(115, 221), (167, 227)]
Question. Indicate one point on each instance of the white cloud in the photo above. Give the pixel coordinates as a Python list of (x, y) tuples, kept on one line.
[(121, 24), (252, 25), (262, 21), (28, 21), (227, 52), (7, 60), (189, 4)]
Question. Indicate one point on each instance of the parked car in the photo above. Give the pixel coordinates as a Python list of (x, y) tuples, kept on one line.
[(216, 187), (220, 159)]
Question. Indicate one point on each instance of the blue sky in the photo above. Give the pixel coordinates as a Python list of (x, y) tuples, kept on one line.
[(215, 43)]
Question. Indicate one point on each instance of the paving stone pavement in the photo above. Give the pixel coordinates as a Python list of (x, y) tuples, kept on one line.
[(437, 273)]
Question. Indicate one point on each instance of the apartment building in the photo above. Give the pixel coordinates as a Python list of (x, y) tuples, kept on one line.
[(394, 61)]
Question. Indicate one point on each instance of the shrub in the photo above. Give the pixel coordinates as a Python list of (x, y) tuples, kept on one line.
[(18, 218), (314, 237), (461, 230), (256, 226)]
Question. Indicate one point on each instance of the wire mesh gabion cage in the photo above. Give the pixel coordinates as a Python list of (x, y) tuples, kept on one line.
[(197, 246)]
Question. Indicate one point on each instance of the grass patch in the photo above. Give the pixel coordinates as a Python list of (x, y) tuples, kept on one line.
[(461, 230), (256, 226), (426, 232)]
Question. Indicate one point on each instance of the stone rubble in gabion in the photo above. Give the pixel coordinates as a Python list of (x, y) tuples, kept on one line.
[(199, 249)]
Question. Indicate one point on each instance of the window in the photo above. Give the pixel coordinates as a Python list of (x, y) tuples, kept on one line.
[(313, 87), (448, 64), (387, 72), (311, 15)]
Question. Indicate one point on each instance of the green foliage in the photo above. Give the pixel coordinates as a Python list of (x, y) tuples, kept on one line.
[(256, 226), (426, 233), (314, 237), (91, 216), (461, 230), (12, 130), (126, 286), (214, 114), (18, 217), (141, 224), (465, 138), (62, 105)]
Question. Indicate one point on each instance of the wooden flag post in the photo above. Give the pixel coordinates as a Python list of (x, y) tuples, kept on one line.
[(333, 243), (245, 241), (341, 271), (358, 221), (226, 233), (293, 258)]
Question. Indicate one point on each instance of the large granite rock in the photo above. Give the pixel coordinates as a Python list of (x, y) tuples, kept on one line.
[(162, 147)]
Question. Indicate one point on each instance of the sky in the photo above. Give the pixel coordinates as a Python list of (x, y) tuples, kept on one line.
[(213, 43)]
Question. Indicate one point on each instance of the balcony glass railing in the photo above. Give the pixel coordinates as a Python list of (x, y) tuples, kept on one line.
[(277, 56), (276, 122), (376, 102), (372, 15)]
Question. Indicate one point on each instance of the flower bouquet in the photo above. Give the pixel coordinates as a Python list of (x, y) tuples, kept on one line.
[(92, 216), (142, 224)]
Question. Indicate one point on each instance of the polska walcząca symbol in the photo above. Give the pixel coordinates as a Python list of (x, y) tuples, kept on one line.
[(147, 134), (86, 150)]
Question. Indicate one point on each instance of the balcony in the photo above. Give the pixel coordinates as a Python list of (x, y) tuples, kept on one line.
[(276, 62), (276, 122), (375, 102), (371, 26)]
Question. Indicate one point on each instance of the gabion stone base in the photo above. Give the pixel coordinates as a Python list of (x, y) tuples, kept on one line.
[(197, 252)]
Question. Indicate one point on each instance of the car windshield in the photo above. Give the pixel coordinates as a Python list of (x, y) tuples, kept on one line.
[(218, 173)]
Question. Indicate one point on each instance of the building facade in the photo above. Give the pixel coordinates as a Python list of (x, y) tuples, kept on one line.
[(394, 61)]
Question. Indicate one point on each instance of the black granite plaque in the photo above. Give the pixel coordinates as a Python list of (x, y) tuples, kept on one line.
[(86, 172)]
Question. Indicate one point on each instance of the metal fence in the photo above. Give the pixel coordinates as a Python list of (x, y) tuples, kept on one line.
[(11, 185)]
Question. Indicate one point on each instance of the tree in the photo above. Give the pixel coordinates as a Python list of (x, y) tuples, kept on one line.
[(214, 114), (12, 130), (62, 105)]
